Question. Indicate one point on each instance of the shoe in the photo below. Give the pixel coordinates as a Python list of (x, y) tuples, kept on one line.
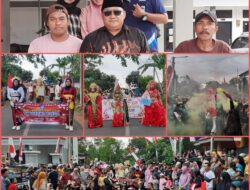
[(70, 128), (66, 127), (14, 127), (18, 127)]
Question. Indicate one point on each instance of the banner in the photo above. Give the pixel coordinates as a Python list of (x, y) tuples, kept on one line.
[(42, 113), (135, 109)]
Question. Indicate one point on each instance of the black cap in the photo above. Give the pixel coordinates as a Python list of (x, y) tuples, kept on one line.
[(112, 3), (210, 14)]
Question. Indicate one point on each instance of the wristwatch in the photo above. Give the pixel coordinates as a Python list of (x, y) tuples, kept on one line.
[(144, 17)]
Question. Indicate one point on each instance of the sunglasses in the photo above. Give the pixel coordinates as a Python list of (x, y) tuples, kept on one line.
[(115, 12)]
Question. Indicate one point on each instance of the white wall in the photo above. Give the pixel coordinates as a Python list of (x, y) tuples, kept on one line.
[(24, 25)]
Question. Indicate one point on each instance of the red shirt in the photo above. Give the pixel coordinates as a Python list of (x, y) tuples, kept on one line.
[(70, 91), (12, 186)]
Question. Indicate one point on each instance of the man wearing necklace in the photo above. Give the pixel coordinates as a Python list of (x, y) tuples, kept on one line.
[(58, 40), (205, 26)]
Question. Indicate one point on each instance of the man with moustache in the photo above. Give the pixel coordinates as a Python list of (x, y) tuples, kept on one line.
[(205, 27), (58, 40)]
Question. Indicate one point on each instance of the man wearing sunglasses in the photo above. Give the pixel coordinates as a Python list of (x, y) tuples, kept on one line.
[(115, 36), (58, 40), (145, 15)]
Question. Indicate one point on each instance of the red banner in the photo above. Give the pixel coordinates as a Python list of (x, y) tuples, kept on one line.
[(42, 113)]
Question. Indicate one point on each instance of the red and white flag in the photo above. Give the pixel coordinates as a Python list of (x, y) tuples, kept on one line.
[(9, 81), (20, 149), (57, 146), (11, 148)]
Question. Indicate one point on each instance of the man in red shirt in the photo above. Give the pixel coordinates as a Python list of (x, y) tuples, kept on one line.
[(205, 27), (68, 95)]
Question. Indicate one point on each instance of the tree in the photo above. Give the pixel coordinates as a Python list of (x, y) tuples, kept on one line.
[(95, 75), (11, 65), (93, 60), (143, 81), (133, 77), (158, 62)]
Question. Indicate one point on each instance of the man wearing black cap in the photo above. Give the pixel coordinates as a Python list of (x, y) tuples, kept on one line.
[(114, 37), (205, 27)]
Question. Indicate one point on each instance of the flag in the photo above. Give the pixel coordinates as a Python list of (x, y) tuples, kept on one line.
[(20, 149), (57, 146), (65, 78), (9, 81), (11, 148)]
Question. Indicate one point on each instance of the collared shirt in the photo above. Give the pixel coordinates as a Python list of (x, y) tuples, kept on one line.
[(128, 40)]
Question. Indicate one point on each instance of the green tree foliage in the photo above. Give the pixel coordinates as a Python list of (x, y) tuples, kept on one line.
[(105, 149), (95, 75), (11, 65), (93, 60), (113, 151)]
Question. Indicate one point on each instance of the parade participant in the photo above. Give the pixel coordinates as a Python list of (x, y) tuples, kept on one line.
[(233, 126), (40, 183), (51, 92), (31, 92), (68, 95), (74, 27), (120, 106), (91, 17), (209, 176), (4, 179), (154, 114), (162, 182), (114, 36), (145, 15), (58, 90), (58, 40), (225, 182), (32, 178), (76, 179), (205, 26), (185, 178), (53, 177), (94, 101), (211, 110), (15, 95), (13, 184), (40, 91)]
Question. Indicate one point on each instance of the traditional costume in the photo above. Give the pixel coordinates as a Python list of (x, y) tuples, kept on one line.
[(120, 116), (154, 114), (94, 101)]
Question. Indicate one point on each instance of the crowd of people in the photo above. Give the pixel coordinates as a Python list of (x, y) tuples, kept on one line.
[(35, 92), (192, 170), (153, 114)]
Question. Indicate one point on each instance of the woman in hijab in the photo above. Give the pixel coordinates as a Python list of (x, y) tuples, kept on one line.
[(225, 182), (74, 27), (68, 95), (91, 17)]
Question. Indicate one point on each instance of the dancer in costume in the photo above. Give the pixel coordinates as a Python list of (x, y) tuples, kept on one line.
[(120, 106), (15, 94), (94, 100), (40, 91), (154, 114)]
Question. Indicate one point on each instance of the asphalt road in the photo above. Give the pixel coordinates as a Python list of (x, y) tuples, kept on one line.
[(35, 129), (134, 129)]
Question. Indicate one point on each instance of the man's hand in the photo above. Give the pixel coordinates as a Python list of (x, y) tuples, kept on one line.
[(138, 11)]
